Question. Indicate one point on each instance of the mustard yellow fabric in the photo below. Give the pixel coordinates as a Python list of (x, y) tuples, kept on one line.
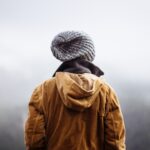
[(74, 112)]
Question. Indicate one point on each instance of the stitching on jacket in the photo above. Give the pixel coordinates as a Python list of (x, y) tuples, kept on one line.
[(114, 129), (114, 132)]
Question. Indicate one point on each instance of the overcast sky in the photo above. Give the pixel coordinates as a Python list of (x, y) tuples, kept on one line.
[(119, 29)]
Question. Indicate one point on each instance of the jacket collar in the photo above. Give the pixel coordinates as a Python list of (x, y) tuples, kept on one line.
[(79, 66)]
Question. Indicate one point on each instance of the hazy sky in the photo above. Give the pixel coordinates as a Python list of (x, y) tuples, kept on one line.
[(119, 29)]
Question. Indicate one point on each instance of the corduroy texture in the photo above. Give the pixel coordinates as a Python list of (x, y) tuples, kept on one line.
[(71, 44)]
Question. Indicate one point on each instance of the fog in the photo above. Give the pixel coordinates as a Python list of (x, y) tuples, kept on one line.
[(121, 34)]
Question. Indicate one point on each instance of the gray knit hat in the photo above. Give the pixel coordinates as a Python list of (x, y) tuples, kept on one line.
[(71, 44)]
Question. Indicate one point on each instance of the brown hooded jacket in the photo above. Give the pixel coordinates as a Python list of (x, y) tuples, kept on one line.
[(74, 112)]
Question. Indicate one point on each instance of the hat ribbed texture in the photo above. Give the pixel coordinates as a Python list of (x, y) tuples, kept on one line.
[(71, 44)]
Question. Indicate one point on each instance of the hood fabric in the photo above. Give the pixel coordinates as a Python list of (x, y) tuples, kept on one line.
[(77, 91)]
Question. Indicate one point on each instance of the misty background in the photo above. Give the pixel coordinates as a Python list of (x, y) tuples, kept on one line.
[(121, 34)]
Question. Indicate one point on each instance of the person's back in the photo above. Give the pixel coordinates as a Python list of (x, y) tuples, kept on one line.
[(75, 110)]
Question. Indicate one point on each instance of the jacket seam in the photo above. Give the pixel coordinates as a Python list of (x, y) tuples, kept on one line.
[(114, 129)]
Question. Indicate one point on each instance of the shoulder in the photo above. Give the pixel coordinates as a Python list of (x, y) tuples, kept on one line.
[(43, 86), (108, 90), (104, 85)]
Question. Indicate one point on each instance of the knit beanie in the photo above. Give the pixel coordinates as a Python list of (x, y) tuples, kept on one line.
[(72, 44)]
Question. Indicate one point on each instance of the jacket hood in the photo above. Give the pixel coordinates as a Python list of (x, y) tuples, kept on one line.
[(77, 91)]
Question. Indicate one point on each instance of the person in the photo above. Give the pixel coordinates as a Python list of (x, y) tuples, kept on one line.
[(76, 109)]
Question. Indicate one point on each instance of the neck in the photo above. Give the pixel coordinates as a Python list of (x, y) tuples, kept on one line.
[(79, 66)]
